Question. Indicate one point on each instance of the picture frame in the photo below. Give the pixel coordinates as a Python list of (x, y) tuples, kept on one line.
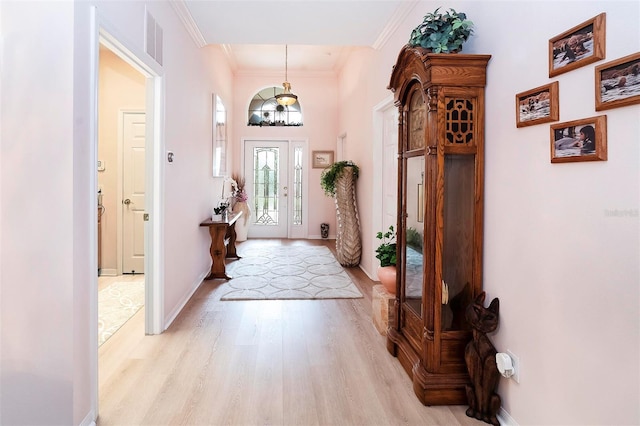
[(539, 105), (579, 46), (618, 82), (579, 140), (321, 159)]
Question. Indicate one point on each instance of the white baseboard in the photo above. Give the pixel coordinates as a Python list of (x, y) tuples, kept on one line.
[(89, 419), (108, 272), (375, 279), (185, 299), (505, 418), (319, 237)]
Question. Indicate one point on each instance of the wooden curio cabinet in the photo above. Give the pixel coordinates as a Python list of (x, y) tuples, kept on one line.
[(440, 98)]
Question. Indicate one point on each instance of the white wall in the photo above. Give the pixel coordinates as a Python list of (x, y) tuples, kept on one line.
[(317, 95), (565, 269), (566, 272), (48, 213), (37, 221)]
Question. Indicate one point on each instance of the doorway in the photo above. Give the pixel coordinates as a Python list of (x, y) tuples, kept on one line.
[(121, 193), (276, 182), (385, 158), (107, 36)]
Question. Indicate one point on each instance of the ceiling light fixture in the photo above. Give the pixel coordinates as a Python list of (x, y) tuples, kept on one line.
[(286, 98)]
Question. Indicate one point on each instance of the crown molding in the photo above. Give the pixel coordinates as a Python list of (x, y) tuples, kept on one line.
[(394, 22), (181, 9), (292, 75)]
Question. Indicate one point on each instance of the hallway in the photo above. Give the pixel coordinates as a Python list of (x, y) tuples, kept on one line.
[(307, 362)]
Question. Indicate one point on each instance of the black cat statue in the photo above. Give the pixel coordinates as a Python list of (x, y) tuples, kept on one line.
[(480, 357)]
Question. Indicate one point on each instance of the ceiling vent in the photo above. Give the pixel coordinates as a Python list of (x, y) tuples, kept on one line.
[(153, 42)]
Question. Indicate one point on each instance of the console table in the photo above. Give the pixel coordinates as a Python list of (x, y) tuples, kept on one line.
[(223, 244)]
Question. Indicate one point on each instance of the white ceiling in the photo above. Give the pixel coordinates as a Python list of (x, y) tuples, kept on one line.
[(320, 33)]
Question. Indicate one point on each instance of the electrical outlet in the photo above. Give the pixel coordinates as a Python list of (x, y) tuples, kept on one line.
[(516, 366)]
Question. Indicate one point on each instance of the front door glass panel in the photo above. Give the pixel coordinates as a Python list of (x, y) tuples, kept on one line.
[(265, 186)]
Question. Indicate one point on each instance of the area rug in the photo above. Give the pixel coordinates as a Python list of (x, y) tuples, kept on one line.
[(274, 273), (116, 305)]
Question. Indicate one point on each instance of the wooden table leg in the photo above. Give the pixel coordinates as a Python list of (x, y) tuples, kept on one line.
[(218, 253), (231, 247)]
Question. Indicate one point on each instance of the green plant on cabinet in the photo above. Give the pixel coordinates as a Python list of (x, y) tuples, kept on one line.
[(442, 32)]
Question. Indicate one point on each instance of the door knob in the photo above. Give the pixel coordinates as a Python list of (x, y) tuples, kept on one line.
[(126, 201)]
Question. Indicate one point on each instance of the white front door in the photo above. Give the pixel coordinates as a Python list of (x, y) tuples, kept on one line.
[(133, 192), (266, 165)]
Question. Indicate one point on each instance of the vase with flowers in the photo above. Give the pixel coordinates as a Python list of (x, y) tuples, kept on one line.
[(240, 204), (220, 211)]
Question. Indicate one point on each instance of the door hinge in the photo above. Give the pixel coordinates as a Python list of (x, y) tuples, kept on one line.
[(145, 217)]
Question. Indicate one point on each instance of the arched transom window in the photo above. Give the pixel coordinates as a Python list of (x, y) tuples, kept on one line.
[(265, 111)]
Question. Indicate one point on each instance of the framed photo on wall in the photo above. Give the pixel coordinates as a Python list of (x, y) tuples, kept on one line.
[(579, 140), (322, 159), (618, 83), (579, 46), (536, 106)]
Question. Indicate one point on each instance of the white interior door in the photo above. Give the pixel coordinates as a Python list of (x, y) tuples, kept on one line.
[(390, 167), (133, 192), (266, 165)]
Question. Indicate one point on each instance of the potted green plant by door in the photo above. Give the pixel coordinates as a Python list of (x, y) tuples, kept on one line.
[(386, 254), (442, 32)]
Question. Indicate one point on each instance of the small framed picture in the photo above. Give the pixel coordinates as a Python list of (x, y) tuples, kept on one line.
[(536, 106), (322, 159), (618, 83), (579, 46), (579, 140)]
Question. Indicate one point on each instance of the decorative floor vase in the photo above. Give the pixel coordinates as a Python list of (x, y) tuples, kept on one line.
[(348, 243), (242, 224), (387, 277)]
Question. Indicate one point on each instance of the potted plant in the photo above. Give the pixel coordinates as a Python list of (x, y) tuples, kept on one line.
[(339, 181), (219, 211), (442, 32), (386, 254), (330, 175)]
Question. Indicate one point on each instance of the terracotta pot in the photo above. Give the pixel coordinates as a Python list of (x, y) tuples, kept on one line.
[(387, 276)]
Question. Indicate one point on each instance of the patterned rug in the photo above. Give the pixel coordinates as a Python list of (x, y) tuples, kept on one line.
[(272, 273), (116, 304)]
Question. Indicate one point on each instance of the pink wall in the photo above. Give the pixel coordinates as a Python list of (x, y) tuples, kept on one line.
[(565, 268), (318, 98)]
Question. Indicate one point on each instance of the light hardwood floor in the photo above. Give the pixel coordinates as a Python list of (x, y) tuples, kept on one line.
[(305, 362)]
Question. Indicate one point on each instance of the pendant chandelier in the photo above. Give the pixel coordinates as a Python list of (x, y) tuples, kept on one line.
[(286, 98)]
